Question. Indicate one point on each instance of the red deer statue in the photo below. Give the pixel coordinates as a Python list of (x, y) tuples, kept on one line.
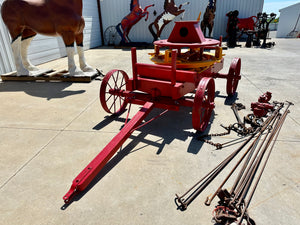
[(25, 18)]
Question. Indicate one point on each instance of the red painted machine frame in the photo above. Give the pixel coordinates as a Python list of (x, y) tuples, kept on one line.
[(159, 86)]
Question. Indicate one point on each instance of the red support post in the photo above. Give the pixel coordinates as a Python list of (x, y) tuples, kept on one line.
[(174, 58), (134, 69)]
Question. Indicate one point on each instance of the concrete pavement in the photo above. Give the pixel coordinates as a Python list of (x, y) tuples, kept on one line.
[(50, 131)]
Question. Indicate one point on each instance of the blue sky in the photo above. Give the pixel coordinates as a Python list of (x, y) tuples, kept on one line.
[(275, 5)]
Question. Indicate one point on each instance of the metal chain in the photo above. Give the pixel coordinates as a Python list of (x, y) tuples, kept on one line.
[(217, 145)]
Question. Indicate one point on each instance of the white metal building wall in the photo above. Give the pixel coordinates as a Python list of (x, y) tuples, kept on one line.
[(113, 11), (288, 19), (46, 48), (6, 59)]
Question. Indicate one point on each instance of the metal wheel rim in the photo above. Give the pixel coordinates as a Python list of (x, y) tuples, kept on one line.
[(111, 36), (233, 76), (203, 103), (116, 81)]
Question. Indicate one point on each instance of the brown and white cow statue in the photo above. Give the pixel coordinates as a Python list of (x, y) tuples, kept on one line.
[(25, 18)]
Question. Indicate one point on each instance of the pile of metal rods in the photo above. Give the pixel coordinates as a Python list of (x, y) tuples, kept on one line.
[(233, 205)]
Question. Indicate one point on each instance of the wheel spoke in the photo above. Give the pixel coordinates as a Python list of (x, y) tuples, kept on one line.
[(113, 77), (113, 103), (110, 87), (108, 97)]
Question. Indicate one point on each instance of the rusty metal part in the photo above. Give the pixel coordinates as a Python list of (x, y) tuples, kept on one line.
[(235, 109), (217, 145), (236, 199), (223, 213), (233, 205), (209, 200), (243, 176), (240, 126), (253, 120), (207, 179), (250, 149), (274, 136)]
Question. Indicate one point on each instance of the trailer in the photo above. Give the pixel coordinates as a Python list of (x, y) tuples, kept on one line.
[(182, 75)]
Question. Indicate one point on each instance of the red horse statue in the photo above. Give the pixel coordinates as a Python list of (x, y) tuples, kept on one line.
[(25, 18), (169, 14), (135, 15)]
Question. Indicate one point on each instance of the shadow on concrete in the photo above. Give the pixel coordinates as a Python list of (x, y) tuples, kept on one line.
[(173, 125), (229, 100), (48, 90)]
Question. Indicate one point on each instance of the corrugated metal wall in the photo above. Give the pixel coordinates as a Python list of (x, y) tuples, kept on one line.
[(113, 11), (6, 59), (46, 48)]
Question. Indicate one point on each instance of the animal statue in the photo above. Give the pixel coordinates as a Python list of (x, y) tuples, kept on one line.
[(25, 18), (264, 21), (208, 17), (232, 28), (135, 15), (169, 14)]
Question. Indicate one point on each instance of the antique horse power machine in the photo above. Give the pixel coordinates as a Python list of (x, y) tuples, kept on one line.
[(178, 78)]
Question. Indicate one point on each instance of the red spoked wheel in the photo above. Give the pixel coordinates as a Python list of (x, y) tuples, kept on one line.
[(233, 77), (203, 103), (112, 86)]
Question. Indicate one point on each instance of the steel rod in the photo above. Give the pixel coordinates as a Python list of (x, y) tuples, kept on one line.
[(209, 200), (241, 178), (249, 168), (275, 134), (211, 175)]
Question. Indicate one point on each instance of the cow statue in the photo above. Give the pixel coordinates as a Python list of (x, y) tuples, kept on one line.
[(25, 18)]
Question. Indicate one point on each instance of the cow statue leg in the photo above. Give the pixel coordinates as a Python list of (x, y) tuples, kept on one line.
[(69, 39), (27, 37), (72, 68), (82, 62), (16, 48)]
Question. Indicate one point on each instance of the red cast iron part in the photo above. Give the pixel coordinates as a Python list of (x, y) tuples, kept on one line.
[(266, 97), (262, 107)]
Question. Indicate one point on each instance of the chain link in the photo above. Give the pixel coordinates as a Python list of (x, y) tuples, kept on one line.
[(217, 145)]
